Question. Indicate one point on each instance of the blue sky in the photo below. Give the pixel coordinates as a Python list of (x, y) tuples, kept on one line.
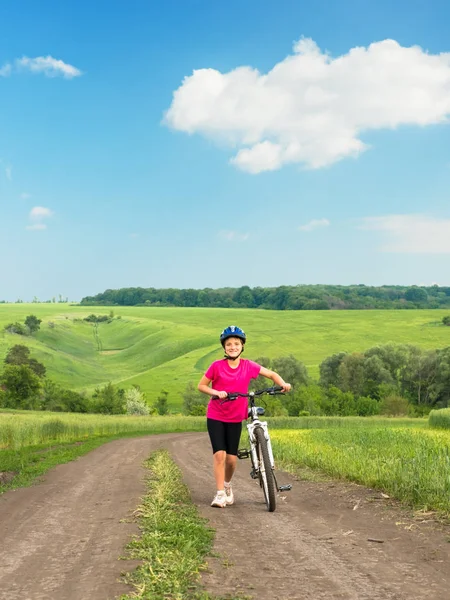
[(209, 144)]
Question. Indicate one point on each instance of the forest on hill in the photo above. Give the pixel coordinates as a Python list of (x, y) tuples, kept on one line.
[(299, 297)]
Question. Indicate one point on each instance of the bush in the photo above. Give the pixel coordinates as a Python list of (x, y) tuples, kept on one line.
[(108, 400), (197, 410), (33, 323), (193, 401), (21, 386), (446, 320), (161, 403), (367, 407), (16, 328), (394, 406), (135, 403), (274, 408), (98, 319), (440, 418)]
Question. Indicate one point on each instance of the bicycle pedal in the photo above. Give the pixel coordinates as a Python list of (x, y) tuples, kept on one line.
[(285, 488), (243, 453), (254, 474)]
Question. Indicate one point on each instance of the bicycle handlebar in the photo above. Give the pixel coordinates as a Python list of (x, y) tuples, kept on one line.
[(272, 391)]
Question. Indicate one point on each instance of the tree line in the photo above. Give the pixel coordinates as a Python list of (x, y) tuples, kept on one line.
[(391, 379), (299, 297), (24, 385)]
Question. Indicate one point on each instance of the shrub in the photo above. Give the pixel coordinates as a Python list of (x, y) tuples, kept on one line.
[(197, 410), (440, 418), (193, 400), (98, 319), (161, 403), (394, 406), (16, 328), (108, 400), (367, 407), (135, 403), (33, 323)]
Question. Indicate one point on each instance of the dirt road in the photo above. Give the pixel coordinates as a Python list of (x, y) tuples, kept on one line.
[(61, 539)]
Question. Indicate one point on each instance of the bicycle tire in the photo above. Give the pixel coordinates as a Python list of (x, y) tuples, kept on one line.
[(265, 470)]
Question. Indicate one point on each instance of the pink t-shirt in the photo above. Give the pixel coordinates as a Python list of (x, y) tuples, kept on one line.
[(225, 379)]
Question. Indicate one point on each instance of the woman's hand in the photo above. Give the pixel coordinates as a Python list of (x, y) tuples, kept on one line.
[(286, 387), (221, 394)]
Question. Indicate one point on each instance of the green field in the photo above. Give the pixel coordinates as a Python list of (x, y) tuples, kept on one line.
[(165, 348), (406, 458)]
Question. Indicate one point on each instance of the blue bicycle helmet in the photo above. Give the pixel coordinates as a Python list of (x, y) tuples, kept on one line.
[(232, 331)]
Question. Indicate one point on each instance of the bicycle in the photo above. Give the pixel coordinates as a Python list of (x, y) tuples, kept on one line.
[(260, 451)]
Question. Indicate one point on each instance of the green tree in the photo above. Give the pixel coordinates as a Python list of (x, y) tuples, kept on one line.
[(17, 355), (339, 403), (291, 370), (20, 355), (446, 320), (416, 294), (367, 407), (351, 374), (108, 400), (21, 386), (16, 328), (161, 403), (305, 399), (33, 323), (135, 402), (194, 402), (329, 369), (394, 406), (419, 379)]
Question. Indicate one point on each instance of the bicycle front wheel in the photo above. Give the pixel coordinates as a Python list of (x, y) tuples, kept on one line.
[(265, 470)]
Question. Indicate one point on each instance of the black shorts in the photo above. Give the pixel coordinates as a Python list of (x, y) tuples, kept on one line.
[(224, 436)]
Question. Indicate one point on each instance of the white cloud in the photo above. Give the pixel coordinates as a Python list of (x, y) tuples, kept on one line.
[(413, 234), (37, 226), (234, 236), (314, 224), (25, 195), (5, 71), (37, 215), (40, 212), (51, 67), (312, 108)]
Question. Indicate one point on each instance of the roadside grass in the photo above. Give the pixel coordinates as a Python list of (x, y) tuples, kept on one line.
[(411, 465), (20, 468), (31, 443), (165, 348), (19, 429), (174, 540)]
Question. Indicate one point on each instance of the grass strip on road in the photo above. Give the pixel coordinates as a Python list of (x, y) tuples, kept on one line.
[(174, 542)]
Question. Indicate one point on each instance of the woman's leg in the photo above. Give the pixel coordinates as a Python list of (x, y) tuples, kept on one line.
[(230, 466), (219, 468), (216, 430), (233, 435)]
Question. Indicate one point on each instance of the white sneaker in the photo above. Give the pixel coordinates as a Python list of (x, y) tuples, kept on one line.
[(220, 500), (229, 496)]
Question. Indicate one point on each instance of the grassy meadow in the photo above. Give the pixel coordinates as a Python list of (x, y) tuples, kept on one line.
[(405, 458), (165, 348)]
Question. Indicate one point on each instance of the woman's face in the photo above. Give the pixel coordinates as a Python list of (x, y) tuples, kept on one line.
[(233, 346)]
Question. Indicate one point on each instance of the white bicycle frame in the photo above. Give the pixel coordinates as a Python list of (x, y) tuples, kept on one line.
[(255, 422)]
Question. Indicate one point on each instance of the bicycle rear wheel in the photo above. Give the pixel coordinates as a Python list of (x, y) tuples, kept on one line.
[(265, 470)]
